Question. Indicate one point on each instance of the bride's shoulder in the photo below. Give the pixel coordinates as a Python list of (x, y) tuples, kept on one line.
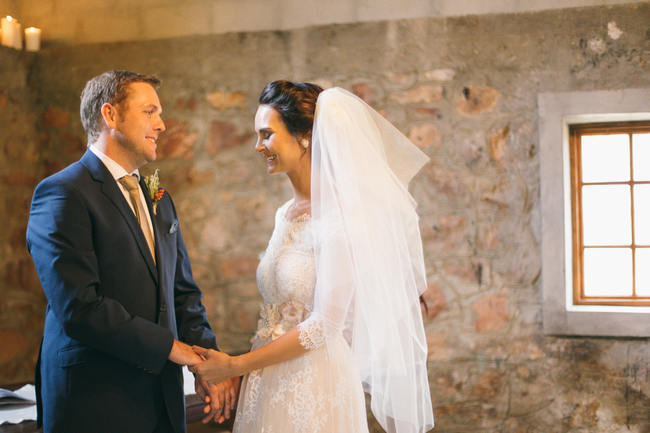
[(282, 210)]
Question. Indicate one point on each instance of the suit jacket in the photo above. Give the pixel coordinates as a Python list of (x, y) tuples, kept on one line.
[(112, 313)]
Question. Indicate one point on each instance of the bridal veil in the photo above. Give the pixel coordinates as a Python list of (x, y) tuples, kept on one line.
[(369, 261)]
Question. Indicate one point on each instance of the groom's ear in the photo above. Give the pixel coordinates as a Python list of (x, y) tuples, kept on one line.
[(109, 115)]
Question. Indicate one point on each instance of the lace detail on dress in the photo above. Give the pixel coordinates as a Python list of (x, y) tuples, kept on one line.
[(342, 398), (287, 271), (252, 395), (277, 319), (296, 226), (319, 391), (305, 407), (311, 334)]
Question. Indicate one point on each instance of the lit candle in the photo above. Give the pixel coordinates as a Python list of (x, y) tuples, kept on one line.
[(8, 32), (32, 39)]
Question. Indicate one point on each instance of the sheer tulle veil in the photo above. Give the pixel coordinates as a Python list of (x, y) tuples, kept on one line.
[(369, 261)]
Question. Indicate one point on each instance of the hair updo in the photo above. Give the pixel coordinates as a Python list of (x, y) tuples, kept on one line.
[(296, 103)]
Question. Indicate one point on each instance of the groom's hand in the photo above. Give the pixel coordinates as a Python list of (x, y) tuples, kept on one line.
[(213, 407), (183, 354), (230, 391), (220, 398)]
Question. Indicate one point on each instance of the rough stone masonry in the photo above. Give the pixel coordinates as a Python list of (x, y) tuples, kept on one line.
[(463, 89)]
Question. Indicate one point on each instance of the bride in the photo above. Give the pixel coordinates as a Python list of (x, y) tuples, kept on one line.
[(340, 278)]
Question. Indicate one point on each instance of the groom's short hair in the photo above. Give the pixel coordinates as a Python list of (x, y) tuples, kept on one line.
[(111, 87)]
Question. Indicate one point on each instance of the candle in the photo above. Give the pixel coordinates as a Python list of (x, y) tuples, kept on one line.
[(18, 36), (32, 39), (8, 32)]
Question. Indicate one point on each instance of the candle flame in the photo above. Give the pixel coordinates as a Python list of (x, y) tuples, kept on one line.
[(9, 18)]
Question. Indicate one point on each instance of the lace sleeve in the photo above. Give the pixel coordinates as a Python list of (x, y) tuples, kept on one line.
[(334, 288), (311, 333)]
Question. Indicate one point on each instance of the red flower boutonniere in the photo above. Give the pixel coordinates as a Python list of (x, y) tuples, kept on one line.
[(153, 188)]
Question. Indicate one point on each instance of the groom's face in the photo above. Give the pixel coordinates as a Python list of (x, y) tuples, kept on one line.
[(139, 123), (275, 143)]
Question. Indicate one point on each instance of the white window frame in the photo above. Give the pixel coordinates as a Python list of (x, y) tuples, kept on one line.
[(557, 111)]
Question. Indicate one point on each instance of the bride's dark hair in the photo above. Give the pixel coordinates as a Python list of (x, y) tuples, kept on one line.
[(296, 103)]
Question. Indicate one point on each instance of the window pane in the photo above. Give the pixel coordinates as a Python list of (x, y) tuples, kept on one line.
[(641, 153), (642, 271), (605, 158), (608, 271), (642, 214), (606, 216)]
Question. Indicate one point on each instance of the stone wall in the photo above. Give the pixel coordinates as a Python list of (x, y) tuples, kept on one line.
[(93, 21), (464, 89), (22, 301)]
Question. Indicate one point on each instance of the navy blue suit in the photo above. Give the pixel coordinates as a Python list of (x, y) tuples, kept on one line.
[(112, 313)]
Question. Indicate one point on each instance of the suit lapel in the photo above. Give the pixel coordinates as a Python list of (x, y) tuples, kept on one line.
[(110, 189)]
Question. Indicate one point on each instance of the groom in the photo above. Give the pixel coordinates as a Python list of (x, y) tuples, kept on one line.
[(123, 309)]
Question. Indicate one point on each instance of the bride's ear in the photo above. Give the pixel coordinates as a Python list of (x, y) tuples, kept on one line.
[(304, 140)]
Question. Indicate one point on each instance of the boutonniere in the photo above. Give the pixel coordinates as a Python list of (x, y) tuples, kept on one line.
[(153, 188)]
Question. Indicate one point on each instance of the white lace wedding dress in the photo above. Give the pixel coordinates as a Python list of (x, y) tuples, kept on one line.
[(320, 391)]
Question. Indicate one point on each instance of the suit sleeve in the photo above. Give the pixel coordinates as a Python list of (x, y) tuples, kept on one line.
[(191, 318), (60, 240)]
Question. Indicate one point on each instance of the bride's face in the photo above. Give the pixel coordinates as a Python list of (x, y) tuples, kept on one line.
[(275, 143)]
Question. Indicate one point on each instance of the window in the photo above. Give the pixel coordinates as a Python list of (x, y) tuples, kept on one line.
[(595, 227), (610, 197)]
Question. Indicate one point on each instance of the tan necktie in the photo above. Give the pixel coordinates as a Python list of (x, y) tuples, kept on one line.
[(130, 182)]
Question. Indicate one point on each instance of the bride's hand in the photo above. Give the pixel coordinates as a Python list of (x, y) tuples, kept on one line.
[(217, 367)]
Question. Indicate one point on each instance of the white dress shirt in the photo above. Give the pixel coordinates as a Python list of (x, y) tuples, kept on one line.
[(117, 171)]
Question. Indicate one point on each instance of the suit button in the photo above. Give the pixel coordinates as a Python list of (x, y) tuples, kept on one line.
[(163, 307)]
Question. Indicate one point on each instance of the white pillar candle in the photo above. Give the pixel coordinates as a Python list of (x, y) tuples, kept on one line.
[(32, 39), (8, 32), (18, 36)]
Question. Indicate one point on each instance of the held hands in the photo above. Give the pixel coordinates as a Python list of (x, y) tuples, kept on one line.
[(215, 383), (182, 354), (220, 395), (216, 367), (220, 399)]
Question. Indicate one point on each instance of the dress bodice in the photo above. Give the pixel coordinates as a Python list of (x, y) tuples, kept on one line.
[(286, 275), (319, 391)]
